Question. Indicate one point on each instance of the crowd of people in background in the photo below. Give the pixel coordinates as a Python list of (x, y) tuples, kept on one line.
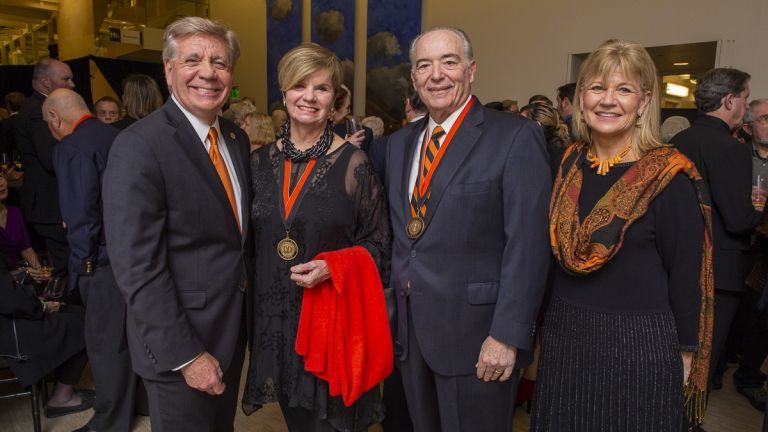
[(577, 256)]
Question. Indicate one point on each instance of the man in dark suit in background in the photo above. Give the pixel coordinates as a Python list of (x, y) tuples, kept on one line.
[(79, 160), (39, 192), (176, 214), (471, 252), (414, 111), (726, 167)]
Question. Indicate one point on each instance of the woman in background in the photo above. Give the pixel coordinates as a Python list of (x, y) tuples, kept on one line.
[(256, 125), (141, 96)]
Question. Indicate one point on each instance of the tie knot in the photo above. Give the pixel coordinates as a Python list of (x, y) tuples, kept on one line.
[(212, 136), (437, 132)]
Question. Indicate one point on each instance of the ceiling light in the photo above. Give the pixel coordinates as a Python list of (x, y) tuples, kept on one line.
[(676, 90), (680, 64)]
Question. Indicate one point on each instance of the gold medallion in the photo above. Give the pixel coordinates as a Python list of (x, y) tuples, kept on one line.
[(415, 227), (287, 249)]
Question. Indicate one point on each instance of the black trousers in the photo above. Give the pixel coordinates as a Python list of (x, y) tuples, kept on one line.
[(454, 403), (753, 343), (174, 406), (299, 419), (110, 360), (726, 305), (53, 239)]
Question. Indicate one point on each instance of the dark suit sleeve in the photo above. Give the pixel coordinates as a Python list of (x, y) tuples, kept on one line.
[(730, 180), (526, 258), (135, 218), (42, 140), (377, 155), (79, 201)]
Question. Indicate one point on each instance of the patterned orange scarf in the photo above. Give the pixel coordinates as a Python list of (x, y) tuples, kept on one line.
[(583, 247)]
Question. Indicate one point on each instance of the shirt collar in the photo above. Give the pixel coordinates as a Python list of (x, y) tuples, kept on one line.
[(447, 124), (200, 127), (755, 153)]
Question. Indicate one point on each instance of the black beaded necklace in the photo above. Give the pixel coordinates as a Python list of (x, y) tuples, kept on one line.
[(295, 155)]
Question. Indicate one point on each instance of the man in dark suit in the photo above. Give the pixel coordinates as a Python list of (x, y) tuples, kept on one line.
[(176, 206), (39, 191), (726, 166), (79, 160), (468, 191)]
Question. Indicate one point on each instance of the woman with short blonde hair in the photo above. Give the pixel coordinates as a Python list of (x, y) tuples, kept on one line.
[(315, 197)]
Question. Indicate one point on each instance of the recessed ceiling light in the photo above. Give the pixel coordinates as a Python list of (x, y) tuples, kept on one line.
[(680, 64)]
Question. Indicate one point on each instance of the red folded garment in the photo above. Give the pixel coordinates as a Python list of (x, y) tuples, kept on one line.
[(343, 330)]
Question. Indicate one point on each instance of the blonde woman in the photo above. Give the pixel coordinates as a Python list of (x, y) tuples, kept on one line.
[(627, 332)]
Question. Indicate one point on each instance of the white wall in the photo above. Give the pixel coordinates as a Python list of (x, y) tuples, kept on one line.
[(522, 48)]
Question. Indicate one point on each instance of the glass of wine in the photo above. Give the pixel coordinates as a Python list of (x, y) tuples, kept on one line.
[(353, 126), (54, 289), (45, 264), (16, 158), (5, 161)]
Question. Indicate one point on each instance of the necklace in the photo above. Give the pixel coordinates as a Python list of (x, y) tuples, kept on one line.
[(603, 166), (314, 152)]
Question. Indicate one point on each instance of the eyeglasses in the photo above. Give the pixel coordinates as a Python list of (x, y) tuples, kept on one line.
[(763, 119)]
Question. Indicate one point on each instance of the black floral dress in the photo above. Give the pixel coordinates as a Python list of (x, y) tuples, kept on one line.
[(342, 205)]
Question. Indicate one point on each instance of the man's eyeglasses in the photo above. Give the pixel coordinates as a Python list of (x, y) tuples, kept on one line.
[(763, 119)]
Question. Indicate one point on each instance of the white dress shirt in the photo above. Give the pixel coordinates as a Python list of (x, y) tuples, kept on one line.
[(446, 125)]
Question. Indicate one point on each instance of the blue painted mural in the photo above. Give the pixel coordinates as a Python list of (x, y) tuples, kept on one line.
[(333, 26), (283, 33), (392, 24)]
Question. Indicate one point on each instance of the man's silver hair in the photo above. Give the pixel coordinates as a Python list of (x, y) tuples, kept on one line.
[(192, 25), (749, 116), (457, 31)]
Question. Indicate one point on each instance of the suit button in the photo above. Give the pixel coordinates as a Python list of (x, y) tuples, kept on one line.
[(154, 361), (413, 254)]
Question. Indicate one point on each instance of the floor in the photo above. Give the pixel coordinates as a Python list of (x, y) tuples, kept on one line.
[(728, 412)]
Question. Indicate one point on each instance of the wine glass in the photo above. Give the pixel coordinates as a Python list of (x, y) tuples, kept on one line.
[(759, 191), (16, 158), (352, 126), (45, 264), (5, 161), (54, 289)]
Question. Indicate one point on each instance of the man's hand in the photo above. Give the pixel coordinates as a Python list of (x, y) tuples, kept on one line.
[(204, 374), (496, 360), (311, 273), (687, 362)]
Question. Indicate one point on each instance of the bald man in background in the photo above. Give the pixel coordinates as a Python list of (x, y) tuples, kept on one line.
[(79, 160), (39, 196)]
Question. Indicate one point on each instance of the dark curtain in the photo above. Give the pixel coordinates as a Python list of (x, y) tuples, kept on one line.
[(114, 70), (19, 78)]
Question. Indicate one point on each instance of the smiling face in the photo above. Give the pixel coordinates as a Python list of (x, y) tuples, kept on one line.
[(442, 74), (200, 76), (611, 106), (309, 102)]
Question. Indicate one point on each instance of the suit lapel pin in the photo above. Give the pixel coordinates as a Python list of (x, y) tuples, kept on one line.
[(232, 135)]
